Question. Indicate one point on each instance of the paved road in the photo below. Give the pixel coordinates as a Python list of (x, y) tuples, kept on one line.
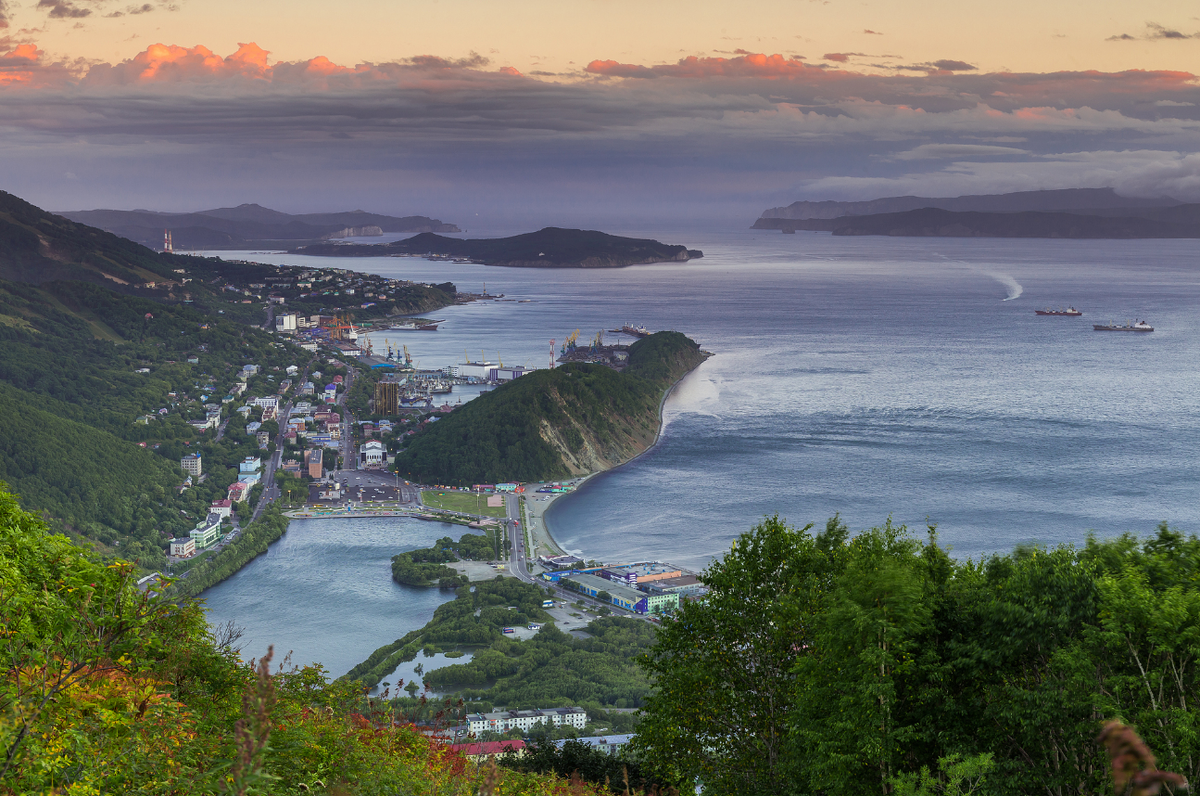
[(518, 563), (270, 491)]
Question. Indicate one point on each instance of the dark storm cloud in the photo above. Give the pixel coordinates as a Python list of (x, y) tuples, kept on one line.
[(3, 14)]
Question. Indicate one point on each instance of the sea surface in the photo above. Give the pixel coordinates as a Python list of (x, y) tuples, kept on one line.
[(868, 377)]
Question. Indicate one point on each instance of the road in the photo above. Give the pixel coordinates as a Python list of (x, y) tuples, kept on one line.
[(271, 492), (518, 564)]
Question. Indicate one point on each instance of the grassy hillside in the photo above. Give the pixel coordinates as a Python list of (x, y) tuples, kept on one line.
[(554, 423)]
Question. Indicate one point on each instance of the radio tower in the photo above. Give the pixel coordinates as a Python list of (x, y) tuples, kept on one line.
[(167, 247), (552, 355)]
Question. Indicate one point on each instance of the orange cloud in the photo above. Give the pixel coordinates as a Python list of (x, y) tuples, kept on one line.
[(757, 65), (24, 66), (170, 63)]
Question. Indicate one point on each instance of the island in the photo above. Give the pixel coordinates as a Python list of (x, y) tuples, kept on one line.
[(551, 247)]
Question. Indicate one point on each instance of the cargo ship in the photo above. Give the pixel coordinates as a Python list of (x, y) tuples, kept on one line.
[(414, 327), (633, 331), (1069, 312), (1136, 326)]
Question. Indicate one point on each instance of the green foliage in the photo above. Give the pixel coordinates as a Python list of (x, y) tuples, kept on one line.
[(292, 490), (426, 567), (859, 665), (107, 689), (499, 435), (97, 485), (578, 759)]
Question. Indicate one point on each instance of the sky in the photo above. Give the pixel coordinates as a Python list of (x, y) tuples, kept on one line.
[(532, 112)]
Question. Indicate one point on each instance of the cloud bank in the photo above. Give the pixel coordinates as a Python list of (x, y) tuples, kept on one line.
[(714, 134)]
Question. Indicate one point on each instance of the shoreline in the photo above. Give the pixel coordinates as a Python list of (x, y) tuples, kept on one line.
[(553, 543)]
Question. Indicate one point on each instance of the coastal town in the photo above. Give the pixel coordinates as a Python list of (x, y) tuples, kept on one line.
[(324, 431)]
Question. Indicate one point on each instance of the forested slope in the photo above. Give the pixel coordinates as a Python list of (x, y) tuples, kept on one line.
[(826, 663), (574, 419), (134, 693)]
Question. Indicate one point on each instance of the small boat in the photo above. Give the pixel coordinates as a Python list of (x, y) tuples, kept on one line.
[(1070, 312), (1136, 326)]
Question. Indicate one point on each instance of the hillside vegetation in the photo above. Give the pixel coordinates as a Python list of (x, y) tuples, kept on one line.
[(574, 419), (107, 689), (873, 664)]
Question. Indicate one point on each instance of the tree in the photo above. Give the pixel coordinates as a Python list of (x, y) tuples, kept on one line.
[(723, 667), (864, 645)]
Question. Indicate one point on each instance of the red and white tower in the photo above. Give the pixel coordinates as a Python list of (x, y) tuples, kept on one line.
[(167, 247)]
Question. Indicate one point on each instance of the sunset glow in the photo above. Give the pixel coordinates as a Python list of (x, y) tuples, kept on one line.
[(833, 109)]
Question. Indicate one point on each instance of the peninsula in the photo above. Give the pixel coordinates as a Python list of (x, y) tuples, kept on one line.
[(1091, 213), (576, 419), (551, 247)]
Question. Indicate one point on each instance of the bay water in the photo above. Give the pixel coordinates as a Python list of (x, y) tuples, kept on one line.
[(869, 377)]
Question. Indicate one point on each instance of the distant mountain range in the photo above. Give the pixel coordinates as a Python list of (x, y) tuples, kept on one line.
[(551, 247), (1071, 213), (248, 226)]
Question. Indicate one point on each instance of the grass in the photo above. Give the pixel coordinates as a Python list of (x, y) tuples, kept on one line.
[(460, 501)]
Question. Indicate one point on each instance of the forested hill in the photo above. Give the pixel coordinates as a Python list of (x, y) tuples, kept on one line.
[(551, 247), (36, 246), (574, 419)]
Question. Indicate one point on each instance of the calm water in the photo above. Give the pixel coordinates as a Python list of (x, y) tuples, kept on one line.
[(325, 591), (870, 377)]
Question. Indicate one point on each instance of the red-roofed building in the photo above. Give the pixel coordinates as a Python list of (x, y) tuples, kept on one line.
[(486, 750)]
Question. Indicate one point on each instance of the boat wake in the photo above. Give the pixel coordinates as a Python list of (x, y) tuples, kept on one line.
[(1013, 286)]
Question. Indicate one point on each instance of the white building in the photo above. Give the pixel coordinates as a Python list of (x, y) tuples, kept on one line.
[(524, 720), (474, 370), (191, 464), (373, 454), (285, 322), (222, 508), (508, 374), (267, 402)]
